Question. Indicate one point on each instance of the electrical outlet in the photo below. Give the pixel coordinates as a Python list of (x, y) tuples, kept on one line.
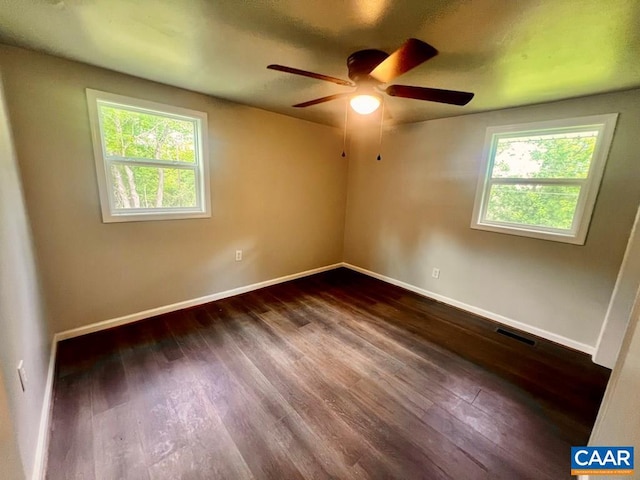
[(22, 375), (435, 273), (238, 255)]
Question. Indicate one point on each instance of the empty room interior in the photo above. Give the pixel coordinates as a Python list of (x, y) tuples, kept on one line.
[(308, 240)]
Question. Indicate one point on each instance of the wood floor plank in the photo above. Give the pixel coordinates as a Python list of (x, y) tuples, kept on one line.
[(257, 407), (531, 368), (527, 417), (302, 447), (109, 386), (499, 463), (253, 433), (71, 444), (443, 366), (285, 376), (549, 458), (444, 453), (160, 432), (336, 375), (536, 368), (247, 375), (391, 446), (211, 451), (117, 450)]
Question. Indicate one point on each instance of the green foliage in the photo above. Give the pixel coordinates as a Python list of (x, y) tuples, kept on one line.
[(539, 157), (537, 205), (131, 136), (137, 135), (548, 156), (177, 190)]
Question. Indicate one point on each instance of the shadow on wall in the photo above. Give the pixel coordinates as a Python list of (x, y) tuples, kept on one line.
[(24, 334), (416, 200)]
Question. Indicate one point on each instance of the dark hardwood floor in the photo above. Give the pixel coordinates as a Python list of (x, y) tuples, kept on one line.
[(332, 376)]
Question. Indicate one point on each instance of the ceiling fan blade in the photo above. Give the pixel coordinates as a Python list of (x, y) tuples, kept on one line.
[(317, 76), (430, 94), (408, 56), (323, 99)]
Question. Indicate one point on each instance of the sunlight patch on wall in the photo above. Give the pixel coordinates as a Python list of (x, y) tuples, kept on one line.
[(370, 12), (565, 46), (161, 34)]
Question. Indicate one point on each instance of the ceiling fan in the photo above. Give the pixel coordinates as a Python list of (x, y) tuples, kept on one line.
[(370, 69)]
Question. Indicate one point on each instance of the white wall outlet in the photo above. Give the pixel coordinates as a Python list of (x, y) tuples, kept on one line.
[(22, 375), (238, 255), (435, 273)]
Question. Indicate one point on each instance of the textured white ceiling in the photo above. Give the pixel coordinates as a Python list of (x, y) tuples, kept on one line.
[(509, 52)]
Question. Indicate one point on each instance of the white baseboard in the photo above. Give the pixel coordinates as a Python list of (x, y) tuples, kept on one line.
[(134, 317), (567, 342), (45, 417)]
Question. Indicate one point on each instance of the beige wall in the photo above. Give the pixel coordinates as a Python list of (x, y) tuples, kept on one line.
[(411, 212), (24, 334), (278, 189)]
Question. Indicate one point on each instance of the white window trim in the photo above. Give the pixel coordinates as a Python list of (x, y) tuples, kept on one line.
[(605, 124), (201, 169)]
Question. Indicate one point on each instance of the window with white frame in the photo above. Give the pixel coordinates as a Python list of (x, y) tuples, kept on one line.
[(541, 179), (151, 159)]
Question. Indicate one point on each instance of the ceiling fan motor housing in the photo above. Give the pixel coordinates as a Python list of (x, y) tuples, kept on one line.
[(362, 62)]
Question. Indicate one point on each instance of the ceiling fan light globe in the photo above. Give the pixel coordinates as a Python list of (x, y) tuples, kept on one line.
[(364, 104)]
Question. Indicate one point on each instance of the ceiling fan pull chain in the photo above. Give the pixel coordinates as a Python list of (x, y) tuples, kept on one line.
[(344, 137), (379, 157)]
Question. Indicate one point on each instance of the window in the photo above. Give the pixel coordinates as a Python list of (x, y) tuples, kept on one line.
[(541, 179), (151, 159)]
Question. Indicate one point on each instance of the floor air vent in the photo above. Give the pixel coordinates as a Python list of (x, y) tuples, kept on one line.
[(515, 336)]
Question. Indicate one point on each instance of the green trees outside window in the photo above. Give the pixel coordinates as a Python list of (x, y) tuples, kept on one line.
[(534, 179), (132, 137)]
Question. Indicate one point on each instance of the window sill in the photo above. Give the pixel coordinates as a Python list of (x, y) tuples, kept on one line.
[(150, 217), (571, 238)]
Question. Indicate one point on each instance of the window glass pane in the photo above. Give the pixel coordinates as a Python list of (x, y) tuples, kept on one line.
[(558, 155), (152, 187), (132, 135), (536, 205)]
